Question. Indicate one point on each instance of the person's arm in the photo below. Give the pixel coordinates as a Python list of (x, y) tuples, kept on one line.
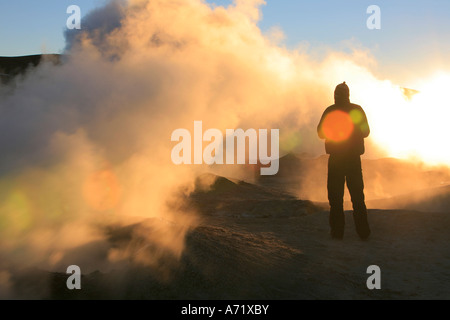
[(364, 126)]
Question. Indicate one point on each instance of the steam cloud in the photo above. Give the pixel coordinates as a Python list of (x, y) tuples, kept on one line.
[(87, 144)]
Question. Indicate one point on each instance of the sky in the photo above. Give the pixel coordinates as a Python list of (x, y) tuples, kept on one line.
[(412, 41), (90, 144)]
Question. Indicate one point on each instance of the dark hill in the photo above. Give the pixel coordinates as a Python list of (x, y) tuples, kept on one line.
[(11, 67), (216, 195)]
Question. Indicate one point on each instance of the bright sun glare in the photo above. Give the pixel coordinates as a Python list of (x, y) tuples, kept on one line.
[(414, 125)]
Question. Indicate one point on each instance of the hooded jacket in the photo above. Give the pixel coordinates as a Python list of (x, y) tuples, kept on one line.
[(358, 125)]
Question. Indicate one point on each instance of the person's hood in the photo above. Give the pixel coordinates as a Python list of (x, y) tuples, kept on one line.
[(342, 93)]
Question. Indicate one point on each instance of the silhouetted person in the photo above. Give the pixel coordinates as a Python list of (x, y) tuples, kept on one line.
[(344, 126)]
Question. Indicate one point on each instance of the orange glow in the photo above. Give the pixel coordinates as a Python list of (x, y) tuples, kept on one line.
[(337, 126), (409, 124), (101, 190)]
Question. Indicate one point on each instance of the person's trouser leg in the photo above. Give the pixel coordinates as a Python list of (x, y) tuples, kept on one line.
[(335, 186), (355, 186)]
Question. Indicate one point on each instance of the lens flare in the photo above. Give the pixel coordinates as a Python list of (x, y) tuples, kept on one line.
[(102, 190), (356, 116), (16, 210), (338, 126)]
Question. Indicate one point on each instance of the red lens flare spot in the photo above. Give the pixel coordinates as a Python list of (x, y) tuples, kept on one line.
[(101, 190), (337, 126)]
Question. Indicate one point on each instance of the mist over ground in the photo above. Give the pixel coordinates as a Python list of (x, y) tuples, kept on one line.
[(86, 143)]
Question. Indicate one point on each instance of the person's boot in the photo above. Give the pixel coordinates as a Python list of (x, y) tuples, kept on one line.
[(337, 222), (337, 234), (361, 224)]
